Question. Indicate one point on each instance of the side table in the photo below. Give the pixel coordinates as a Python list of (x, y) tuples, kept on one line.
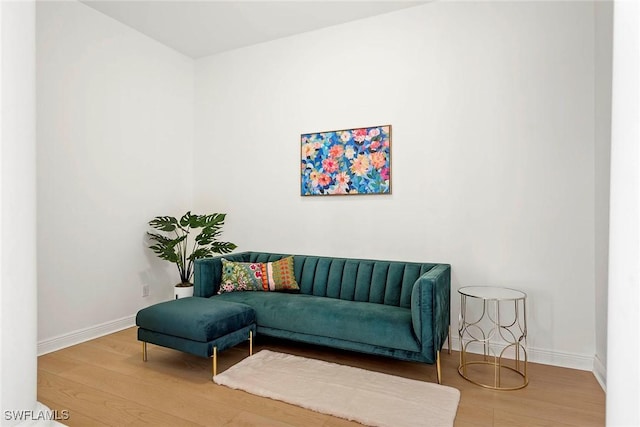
[(495, 319)]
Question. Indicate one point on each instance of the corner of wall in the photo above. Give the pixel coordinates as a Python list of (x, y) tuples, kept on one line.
[(600, 372)]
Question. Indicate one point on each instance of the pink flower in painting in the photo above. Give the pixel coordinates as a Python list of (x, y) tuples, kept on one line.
[(378, 160), (324, 180), (360, 165), (345, 136), (336, 151), (359, 134), (374, 145), (384, 174), (343, 178), (373, 132), (341, 183), (329, 165), (337, 189)]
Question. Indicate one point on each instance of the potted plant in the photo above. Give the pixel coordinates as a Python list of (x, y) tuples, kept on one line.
[(176, 247)]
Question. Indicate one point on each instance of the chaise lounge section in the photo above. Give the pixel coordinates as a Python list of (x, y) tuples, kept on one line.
[(200, 326)]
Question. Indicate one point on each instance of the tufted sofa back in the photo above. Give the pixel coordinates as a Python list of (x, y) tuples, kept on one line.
[(381, 282)]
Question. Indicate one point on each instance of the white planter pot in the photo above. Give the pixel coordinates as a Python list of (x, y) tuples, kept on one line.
[(182, 292)]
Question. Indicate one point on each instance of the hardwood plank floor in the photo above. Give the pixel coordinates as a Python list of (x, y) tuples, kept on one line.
[(104, 382)]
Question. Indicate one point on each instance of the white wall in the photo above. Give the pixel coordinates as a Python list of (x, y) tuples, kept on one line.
[(17, 214), (623, 372), (115, 139), (603, 58), (492, 107)]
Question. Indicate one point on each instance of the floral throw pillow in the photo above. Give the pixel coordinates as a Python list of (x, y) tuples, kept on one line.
[(240, 276), (279, 275)]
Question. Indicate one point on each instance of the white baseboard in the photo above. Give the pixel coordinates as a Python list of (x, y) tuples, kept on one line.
[(86, 334), (600, 372), (545, 357)]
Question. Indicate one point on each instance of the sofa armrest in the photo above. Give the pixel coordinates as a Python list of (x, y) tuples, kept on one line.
[(207, 273), (430, 308)]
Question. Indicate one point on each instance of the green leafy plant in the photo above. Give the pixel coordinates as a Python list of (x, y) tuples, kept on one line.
[(174, 245)]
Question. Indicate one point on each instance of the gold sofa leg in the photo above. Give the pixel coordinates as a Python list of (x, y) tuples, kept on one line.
[(214, 356), (438, 370), (144, 351), (214, 366), (449, 340)]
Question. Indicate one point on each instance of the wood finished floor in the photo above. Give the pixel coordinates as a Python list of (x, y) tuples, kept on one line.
[(104, 382)]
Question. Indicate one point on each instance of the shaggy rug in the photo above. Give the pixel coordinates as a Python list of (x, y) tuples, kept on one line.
[(370, 398)]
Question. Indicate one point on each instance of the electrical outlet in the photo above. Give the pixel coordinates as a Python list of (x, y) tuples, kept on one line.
[(145, 290)]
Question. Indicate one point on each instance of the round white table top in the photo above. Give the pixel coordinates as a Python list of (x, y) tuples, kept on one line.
[(492, 293)]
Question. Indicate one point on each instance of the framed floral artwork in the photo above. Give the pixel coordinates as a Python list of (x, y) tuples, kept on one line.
[(348, 161)]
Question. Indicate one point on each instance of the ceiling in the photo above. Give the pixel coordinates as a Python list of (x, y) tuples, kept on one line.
[(202, 28)]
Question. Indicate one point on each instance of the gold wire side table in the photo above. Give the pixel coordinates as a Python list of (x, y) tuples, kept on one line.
[(493, 322)]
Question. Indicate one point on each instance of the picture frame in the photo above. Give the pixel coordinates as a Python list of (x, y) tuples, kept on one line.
[(346, 162)]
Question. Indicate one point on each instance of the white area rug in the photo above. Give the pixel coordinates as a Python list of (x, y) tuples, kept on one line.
[(370, 398)]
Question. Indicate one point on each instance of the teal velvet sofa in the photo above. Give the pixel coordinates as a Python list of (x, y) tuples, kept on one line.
[(389, 308)]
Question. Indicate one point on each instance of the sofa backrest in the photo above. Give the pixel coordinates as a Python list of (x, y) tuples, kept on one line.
[(382, 282)]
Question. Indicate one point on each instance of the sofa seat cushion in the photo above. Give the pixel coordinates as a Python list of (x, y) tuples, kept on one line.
[(196, 319), (361, 322)]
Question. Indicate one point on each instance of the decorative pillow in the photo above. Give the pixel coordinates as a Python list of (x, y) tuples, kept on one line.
[(240, 276), (279, 276)]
